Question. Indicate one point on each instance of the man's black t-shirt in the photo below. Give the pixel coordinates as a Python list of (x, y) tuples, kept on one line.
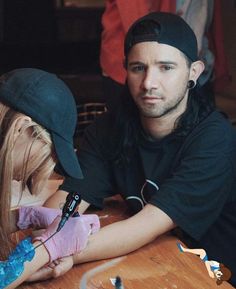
[(191, 179)]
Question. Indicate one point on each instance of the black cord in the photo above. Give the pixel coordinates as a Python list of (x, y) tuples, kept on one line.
[(42, 243)]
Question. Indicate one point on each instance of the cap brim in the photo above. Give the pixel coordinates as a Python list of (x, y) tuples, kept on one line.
[(67, 157)]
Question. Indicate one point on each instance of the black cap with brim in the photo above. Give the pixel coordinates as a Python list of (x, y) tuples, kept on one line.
[(68, 160), (49, 102), (173, 31)]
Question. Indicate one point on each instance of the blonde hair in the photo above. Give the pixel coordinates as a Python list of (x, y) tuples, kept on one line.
[(34, 173)]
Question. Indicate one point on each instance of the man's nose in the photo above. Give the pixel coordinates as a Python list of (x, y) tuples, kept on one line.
[(150, 81)]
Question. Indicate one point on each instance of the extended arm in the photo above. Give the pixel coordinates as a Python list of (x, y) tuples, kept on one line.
[(116, 239), (126, 236)]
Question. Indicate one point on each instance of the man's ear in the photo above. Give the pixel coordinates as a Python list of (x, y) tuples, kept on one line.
[(20, 123), (196, 70)]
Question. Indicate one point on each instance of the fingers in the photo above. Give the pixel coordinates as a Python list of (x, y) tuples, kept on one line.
[(53, 270), (96, 224), (93, 221), (36, 217), (64, 265)]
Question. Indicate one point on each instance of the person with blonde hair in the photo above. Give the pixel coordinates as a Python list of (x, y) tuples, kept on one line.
[(37, 122)]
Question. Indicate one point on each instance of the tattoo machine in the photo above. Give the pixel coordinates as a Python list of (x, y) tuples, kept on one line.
[(69, 208)]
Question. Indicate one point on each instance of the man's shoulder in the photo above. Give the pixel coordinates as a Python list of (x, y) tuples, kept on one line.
[(216, 122), (217, 117), (215, 132)]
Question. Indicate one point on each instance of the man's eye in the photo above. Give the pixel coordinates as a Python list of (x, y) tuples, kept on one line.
[(166, 67), (137, 68)]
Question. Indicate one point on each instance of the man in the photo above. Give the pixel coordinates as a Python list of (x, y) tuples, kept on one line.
[(203, 16), (118, 16), (166, 150)]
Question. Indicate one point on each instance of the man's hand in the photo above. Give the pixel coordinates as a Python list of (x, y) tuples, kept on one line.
[(53, 270)]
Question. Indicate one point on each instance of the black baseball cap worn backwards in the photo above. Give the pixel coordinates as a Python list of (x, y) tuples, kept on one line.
[(173, 31), (50, 103)]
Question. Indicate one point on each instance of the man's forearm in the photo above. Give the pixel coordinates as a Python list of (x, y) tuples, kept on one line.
[(123, 237)]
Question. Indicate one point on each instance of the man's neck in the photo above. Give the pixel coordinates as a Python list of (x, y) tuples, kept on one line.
[(158, 128)]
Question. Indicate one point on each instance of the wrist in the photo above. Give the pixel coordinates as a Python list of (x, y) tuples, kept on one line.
[(81, 256), (42, 252), (76, 258)]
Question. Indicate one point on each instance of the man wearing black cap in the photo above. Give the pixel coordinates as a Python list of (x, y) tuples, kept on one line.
[(166, 150)]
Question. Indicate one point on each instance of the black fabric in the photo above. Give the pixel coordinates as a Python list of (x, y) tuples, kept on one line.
[(98, 181), (173, 31), (112, 91), (191, 179)]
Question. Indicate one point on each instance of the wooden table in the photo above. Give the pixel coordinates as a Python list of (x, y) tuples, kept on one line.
[(157, 265)]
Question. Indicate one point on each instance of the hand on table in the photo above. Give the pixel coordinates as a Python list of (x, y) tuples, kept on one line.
[(53, 270)]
